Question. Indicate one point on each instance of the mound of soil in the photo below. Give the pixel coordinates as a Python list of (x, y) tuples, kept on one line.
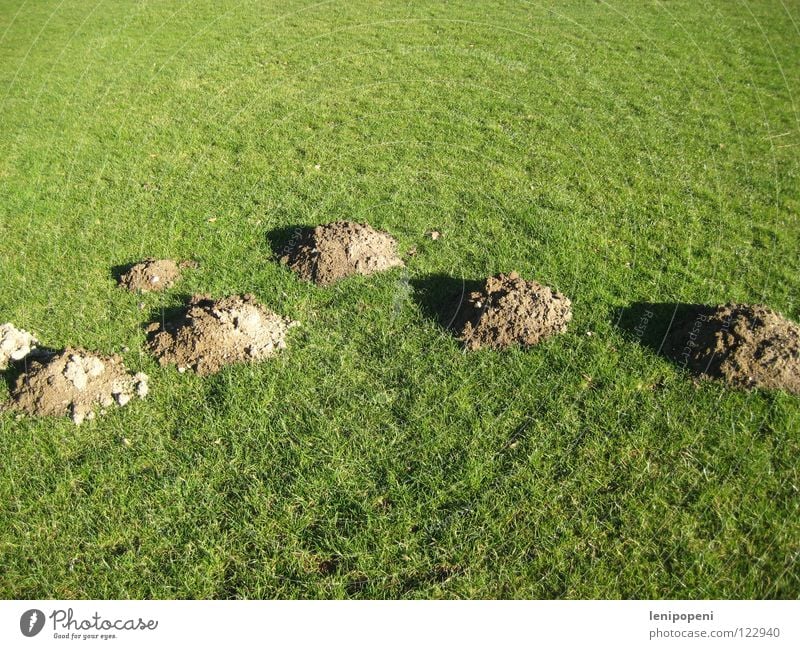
[(15, 344), (210, 334), (153, 275), (73, 382), (512, 311), (331, 252), (748, 346)]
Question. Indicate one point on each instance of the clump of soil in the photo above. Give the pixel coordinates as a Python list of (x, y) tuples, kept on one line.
[(210, 334), (153, 275), (15, 344), (73, 382), (331, 252), (512, 311), (748, 346)]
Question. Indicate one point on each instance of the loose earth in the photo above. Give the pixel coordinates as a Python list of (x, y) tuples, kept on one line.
[(73, 382), (15, 344), (337, 250), (747, 346), (152, 275), (210, 334), (511, 311)]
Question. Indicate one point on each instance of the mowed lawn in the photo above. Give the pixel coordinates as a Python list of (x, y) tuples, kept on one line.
[(625, 152)]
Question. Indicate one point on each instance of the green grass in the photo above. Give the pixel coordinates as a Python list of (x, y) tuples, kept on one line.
[(621, 151)]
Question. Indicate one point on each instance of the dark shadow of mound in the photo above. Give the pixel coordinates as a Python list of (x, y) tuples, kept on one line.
[(667, 328), (119, 270), (283, 240), (443, 298), (168, 317)]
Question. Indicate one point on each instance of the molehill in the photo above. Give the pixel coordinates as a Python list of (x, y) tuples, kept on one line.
[(511, 311), (337, 250), (746, 346), (15, 344), (74, 382), (151, 275), (210, 334)]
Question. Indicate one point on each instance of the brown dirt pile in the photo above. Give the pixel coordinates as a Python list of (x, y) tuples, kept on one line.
[(747, 346), (512, 311), (331, 252), (15, 344), (153, 275), (210, 334), (74, 382)]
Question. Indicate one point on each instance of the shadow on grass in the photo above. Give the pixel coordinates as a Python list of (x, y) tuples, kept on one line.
[(442, 298), (168, 316), (120, 269), (282, 240), (663, 327)]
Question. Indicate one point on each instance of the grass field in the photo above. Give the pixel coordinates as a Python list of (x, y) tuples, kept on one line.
[(621, 151)]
